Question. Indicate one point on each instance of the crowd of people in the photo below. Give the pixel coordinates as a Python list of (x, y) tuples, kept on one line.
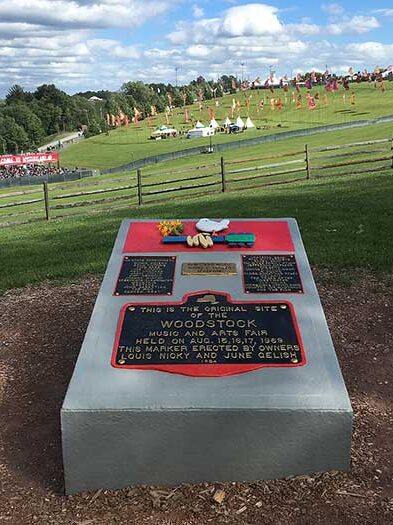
[(28, 170)]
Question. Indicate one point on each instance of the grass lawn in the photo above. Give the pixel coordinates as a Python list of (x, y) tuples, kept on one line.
[(169, 171), (346, 223), (124, 145)]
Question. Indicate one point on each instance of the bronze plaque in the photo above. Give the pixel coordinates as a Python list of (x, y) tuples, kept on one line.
[(146, 275), (208, 334), (208, 268), (271, 274)]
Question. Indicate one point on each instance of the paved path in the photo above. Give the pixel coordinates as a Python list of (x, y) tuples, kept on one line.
[(68, 138)]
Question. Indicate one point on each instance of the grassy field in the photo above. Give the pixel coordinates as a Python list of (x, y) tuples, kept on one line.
[(128, 144), (346, 223), (164, 171)]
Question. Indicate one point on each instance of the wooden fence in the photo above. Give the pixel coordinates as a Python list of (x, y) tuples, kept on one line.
[(223, 176)]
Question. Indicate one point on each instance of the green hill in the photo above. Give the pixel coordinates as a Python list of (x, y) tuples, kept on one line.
[(126, 144)]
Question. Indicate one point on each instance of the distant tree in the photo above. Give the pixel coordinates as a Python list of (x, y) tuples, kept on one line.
[(50, 116), (92, 129), (51, 93), (227, 82), (104, 94), (15, 94), (28, 120), (3, 146), (15, 137), (142, 94)]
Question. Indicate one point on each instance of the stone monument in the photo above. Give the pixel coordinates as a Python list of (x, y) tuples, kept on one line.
[(205, 364)]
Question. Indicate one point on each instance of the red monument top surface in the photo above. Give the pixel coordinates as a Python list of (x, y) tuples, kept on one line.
[(144, 237)]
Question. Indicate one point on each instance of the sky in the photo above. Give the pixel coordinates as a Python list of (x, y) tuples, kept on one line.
[(84, 45)]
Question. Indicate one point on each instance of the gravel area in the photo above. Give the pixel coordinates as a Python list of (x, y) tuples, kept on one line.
[(41, 330)]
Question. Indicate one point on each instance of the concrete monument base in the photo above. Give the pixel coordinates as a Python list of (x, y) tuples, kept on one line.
[(123, 427)]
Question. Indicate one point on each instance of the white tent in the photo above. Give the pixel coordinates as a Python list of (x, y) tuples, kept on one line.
[(214, 123), (199, 125), (239, 122), (163, 132), (227, 122), (249, 123), (200, 132)]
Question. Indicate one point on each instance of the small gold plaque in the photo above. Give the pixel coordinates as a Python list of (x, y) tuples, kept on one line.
[(208, 268)]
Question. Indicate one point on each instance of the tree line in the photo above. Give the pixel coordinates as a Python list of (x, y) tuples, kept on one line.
[(27, 118)]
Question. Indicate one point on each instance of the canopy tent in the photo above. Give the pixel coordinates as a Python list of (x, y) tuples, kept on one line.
[(239, 122), (199, 125), (227, 122), (200, 132), (163, 132), (249, 123)]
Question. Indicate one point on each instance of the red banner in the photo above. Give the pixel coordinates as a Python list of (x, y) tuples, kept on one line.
[(28, 158)]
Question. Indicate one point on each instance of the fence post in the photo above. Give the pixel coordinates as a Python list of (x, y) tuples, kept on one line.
[(223, 184), (308, 167), (392, 152), (46, 200), (139, 182)]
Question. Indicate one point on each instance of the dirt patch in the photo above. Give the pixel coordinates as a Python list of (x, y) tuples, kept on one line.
[(41, 330)]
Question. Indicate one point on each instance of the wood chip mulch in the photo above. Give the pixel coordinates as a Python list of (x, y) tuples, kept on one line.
[(41, 330)]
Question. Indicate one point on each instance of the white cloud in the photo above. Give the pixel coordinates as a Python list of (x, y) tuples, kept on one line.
[(197, 11), (385, 12), (355, 25), (304, 28), (198, 51), (79, 14), (332, 9), (374, 52), (250, 20), (245, 20)]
